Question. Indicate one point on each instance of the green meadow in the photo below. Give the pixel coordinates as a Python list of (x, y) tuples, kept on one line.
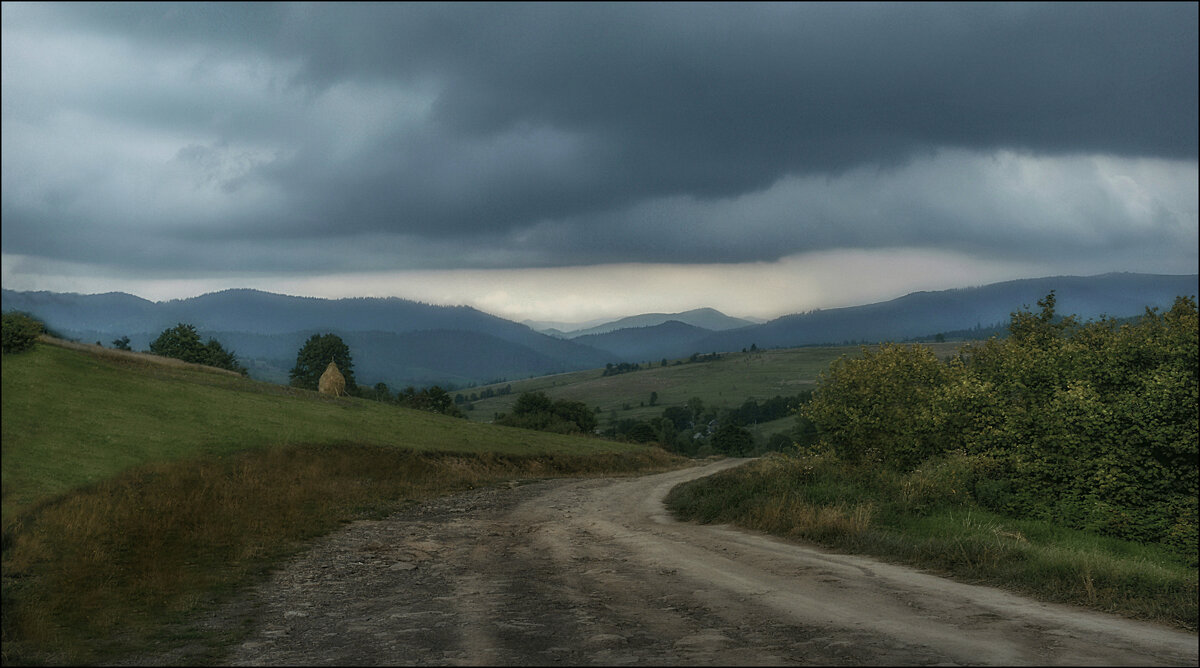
[(722, 383)]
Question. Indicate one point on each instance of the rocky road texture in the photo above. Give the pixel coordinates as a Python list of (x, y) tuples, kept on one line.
[(571, 572)]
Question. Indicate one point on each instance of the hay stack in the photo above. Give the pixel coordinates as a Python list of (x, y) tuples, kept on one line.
[(332, 381)]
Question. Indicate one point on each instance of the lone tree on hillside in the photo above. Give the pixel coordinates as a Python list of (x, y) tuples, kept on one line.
[(181, 342), (314, 357)]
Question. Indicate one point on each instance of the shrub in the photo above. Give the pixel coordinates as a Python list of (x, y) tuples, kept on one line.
[(19, 332), (733, 440), (182, 342), (876, 407), (941, 481)]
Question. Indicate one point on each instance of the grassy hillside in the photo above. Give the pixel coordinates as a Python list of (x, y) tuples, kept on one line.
[(72, 418), (723, 383), (138, 494)]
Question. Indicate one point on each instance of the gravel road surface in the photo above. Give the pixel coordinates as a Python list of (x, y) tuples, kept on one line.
[(571, 572)]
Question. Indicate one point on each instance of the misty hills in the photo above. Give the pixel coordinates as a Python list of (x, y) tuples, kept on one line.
[(402, 342), (704, 318)]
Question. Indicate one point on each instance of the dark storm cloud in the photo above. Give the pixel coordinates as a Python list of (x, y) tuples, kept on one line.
[(595, 132), (713, 101)]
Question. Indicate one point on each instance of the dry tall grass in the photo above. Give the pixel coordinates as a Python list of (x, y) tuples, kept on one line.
[(88, 576), (797, 518)]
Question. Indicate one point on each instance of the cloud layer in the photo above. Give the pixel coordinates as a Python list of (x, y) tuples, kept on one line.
[(296, 138)]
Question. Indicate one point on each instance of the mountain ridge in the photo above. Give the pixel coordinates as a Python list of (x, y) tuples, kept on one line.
[(403, 342)]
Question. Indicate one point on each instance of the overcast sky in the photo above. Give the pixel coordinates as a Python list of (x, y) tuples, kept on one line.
[(574, 161)]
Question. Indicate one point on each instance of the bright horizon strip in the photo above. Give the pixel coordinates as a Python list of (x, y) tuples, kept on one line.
[(795, 284)]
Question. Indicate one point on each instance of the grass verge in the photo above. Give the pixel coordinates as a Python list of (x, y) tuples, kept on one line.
[(108, 572), (925, 519)]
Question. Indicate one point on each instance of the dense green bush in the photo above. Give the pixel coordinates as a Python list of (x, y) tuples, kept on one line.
[(876, 408), (535, 410), (1091, 425), (433, 399), (19, 332), (733, 440)]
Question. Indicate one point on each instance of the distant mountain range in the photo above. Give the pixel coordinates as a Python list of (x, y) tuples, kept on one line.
[(402, 342)]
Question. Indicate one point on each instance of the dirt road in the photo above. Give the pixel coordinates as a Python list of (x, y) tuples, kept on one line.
[(573, 572)]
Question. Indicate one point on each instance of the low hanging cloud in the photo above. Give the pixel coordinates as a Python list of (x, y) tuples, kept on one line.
[(261, 138)]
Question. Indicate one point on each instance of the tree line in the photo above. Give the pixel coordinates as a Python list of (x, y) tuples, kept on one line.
[(691, 430), (486, 393)]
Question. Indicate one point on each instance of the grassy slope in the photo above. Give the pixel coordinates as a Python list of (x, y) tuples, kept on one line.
[(72, 419), (724, 383)]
